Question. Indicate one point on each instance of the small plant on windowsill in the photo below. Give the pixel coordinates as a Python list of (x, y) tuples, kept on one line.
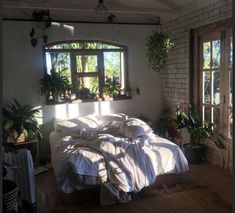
[(158, 46), (111, 89), (56, 85), (198, 131)]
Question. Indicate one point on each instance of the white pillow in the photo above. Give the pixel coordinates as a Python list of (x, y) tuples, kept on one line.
[(134, 128), (112, 117), (75, 125)]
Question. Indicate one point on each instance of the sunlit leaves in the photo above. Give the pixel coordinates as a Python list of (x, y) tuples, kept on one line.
[(158, 45)]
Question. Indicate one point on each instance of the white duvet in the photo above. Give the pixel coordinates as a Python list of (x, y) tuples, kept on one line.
[(122, 164)]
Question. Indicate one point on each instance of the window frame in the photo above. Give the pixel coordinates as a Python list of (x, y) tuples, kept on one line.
[(100, 59), (223, 31)]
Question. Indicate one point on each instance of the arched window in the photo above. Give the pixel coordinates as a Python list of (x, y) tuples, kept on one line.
[(93, 68)]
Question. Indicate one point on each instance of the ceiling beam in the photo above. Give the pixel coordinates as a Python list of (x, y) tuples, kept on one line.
[(171, 4), (65, 7)]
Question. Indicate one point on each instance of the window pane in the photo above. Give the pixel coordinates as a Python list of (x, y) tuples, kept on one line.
[(216, 87), (206, 55), (88, 87), (216, 53), (83, 45), (230, 88), (216, 116), (112, 66), (60, 62), (207, 114), (87, 63), (206, 87), (230, 132), (231, 52)]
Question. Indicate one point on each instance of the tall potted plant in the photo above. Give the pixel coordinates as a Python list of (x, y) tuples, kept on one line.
[(198, 131), (19, 123)]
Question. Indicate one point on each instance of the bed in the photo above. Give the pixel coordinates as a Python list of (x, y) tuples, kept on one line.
[(115, 153)]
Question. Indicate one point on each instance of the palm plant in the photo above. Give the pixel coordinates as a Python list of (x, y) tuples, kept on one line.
[(20, 119), (55, 83), (198, 130)]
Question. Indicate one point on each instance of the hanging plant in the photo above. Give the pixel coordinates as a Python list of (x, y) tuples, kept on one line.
[(158, 45), (43, 20)]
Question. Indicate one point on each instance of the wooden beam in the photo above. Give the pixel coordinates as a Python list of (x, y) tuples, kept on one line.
[(157, 22), (171, 4), (65, 7)]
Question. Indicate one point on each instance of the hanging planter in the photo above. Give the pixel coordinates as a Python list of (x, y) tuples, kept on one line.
[(158, 46)]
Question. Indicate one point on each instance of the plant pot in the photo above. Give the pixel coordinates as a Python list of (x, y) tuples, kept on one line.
[(195, 154), (56, 97)]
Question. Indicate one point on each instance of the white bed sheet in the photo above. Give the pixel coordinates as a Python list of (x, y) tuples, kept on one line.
[(72, 156)]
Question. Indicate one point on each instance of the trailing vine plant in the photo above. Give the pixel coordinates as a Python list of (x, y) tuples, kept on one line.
[(43, 20), (158, 46)]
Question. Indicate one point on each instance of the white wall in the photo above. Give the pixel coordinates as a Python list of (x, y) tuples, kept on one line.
[(23, 67)]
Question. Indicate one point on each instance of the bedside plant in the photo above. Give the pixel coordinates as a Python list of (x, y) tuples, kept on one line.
[(198, 131), (19, 123)]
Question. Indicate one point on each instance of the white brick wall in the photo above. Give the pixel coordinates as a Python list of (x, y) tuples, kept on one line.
[(175, 76)]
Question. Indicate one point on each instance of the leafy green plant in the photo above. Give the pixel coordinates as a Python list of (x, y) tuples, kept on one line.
[(158, 46), (20, 119), (198, 130), (166, 126), (56, 83), (111, 88)]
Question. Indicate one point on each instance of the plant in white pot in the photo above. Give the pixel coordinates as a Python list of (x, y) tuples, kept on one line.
[(198, 131)]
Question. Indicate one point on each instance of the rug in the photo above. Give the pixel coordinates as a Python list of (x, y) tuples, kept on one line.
[(177, 199)]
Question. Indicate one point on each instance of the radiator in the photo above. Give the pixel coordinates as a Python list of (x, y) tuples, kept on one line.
[(21, 170)]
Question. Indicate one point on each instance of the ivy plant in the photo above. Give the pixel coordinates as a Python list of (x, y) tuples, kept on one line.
[(158, 46)]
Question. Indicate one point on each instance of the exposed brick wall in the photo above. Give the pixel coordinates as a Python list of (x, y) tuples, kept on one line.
[(175, 76)]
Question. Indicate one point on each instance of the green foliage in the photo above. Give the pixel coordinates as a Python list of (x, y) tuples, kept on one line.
[(111, 88), (18, 119), (54, 83), (158, 46), (197, 129)]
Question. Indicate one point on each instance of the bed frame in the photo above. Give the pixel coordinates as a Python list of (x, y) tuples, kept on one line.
[(94, 193)]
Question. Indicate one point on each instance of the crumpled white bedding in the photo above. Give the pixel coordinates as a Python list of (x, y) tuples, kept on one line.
[(122, 164)]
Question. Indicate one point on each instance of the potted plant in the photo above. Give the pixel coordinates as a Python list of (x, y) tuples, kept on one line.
[(158, 46), (198, 131), (111, 89), (54, 84), (166, 127), (19, 123)]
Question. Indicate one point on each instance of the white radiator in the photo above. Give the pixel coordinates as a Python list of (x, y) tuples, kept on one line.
[(21, 170)]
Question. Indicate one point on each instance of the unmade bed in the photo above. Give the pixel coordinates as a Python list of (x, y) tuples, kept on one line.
[(120, 154)]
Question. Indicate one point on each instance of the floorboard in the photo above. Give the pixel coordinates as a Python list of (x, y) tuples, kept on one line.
[(216, 179)]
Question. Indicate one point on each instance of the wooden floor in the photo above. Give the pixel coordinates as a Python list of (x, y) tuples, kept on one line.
[(217, 179)]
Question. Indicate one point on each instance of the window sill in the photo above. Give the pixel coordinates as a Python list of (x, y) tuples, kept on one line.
[(78, 101)]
